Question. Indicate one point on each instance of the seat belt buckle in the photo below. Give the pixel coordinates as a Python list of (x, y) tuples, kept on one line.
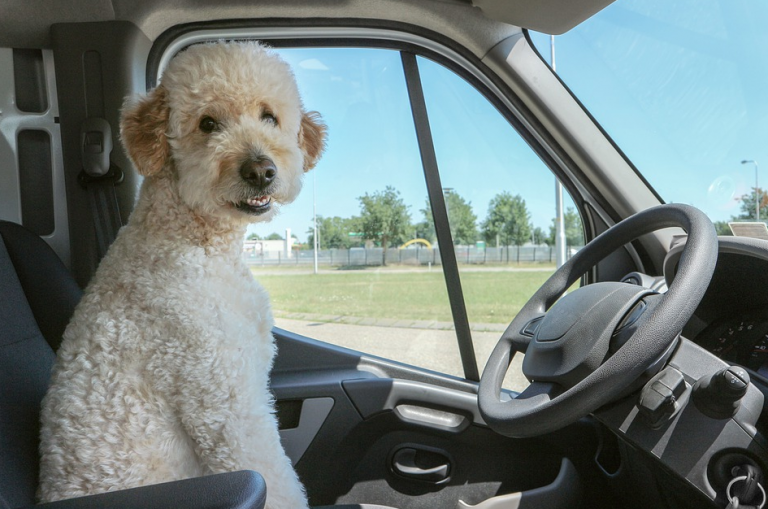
[(95, 146), (95, 149)]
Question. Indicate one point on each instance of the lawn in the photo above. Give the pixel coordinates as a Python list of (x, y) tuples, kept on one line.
[(491, 296)]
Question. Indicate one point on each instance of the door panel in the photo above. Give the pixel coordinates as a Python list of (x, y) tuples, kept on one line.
[(388, 417)]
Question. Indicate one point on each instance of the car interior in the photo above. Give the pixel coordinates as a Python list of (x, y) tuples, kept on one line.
[(647, 383)]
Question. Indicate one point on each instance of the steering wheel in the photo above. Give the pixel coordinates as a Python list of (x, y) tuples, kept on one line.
[(584, 350)]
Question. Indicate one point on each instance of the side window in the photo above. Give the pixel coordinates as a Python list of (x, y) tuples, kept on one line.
[(375, 291), (379, 285), (500, 199)]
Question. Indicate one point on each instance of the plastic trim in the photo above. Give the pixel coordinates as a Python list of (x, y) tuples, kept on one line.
[(296, 441), (12, 122), (232, 490)]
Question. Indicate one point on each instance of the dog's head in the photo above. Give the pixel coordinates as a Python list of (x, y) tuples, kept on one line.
[(227, 125)]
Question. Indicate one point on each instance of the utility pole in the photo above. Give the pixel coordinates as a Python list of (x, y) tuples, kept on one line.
[(559, 219), (314, 215)]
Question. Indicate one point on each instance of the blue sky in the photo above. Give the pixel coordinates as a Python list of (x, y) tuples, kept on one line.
[(680, 86)]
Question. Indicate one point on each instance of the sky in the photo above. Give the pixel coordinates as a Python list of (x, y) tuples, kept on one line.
[(680, 86)]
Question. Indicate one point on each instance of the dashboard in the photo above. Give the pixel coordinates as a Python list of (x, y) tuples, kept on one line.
[(731, 321), (741, 339), (729, 326)]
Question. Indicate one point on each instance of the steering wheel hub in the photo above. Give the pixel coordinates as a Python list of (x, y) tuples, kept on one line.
[(574, 337)]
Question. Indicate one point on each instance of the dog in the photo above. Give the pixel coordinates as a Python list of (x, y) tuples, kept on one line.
[(164, 368)]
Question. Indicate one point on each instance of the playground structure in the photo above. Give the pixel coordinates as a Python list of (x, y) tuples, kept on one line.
[(417, 241)]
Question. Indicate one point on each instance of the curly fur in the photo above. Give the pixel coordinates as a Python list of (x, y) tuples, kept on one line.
[(164, 369)]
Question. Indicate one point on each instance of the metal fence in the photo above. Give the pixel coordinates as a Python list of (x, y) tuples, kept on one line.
[(360, 257)]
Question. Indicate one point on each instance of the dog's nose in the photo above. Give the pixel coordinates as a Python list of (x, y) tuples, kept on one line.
[(259, 172)]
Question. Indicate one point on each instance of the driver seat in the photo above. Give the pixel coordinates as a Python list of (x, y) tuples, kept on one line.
[(37, 298)]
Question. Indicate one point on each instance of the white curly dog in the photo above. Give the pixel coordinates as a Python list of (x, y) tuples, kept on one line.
[(163, 372)]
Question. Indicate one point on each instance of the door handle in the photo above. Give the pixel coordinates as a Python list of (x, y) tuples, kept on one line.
[(421, 463)]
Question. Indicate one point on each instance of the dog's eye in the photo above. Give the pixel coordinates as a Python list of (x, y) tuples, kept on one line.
[(208, 125), (269, 118)]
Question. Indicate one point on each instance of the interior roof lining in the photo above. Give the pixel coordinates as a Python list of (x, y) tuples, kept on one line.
[(26, 23)]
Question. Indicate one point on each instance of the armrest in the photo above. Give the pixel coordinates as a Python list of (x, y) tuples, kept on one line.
[(233, 490)]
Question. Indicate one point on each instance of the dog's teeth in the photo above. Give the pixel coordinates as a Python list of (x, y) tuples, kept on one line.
[(257, 202)]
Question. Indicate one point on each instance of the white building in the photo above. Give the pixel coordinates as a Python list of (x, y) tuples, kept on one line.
[(270, 249)]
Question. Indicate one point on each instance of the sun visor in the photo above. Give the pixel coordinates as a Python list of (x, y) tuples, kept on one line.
[(553, 17)]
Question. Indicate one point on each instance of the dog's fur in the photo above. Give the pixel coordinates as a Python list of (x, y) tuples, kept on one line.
[(163, 372)]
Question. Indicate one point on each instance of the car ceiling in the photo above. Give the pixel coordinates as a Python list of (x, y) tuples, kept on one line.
[(26, 23)]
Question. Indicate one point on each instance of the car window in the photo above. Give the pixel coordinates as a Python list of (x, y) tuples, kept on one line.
[(500, 198), (375, 291)]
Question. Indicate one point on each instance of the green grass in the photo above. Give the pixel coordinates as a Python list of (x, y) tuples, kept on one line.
[(491, 297)]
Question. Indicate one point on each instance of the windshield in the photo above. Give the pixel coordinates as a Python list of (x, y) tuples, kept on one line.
[(682, 88)]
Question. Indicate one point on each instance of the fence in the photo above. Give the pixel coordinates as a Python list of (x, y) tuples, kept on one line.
[(361, 257)]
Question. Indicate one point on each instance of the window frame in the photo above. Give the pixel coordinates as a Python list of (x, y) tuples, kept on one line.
[(410, 42)]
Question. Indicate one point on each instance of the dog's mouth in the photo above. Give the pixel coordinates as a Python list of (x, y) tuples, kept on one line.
[(255, 205)]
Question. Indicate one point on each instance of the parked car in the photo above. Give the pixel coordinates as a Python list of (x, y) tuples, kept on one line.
[(643, 387)]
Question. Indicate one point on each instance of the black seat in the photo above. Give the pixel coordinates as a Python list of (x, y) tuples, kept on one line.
[(37, 297)]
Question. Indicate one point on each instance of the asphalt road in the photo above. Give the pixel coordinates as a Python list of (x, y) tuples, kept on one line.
[(428, 348)]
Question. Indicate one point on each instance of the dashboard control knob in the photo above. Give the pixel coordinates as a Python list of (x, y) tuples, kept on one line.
[(719, 395), (659, 399), (736, 380)]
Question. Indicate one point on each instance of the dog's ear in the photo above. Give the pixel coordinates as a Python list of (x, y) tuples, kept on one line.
[(143, 126), (312, 138)]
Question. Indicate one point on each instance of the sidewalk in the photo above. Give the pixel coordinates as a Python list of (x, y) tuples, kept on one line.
[(389, 322)]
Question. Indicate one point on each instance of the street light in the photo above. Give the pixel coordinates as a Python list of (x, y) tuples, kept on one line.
[(314, 219), (757, 195), (560, 256)]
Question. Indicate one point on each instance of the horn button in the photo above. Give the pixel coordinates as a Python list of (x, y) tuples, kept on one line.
[(574, 337)]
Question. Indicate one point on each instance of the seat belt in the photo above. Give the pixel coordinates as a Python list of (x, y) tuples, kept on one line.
[(99, 177)]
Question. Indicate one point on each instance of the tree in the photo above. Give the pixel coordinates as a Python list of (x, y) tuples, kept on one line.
[(425, 229), (508, 220), (253, 236), (747, 210), (384, 218), (539, 237), (333, 232), (462, 221), (748, 205), (574, 231), (274, 236), (722, 228)]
